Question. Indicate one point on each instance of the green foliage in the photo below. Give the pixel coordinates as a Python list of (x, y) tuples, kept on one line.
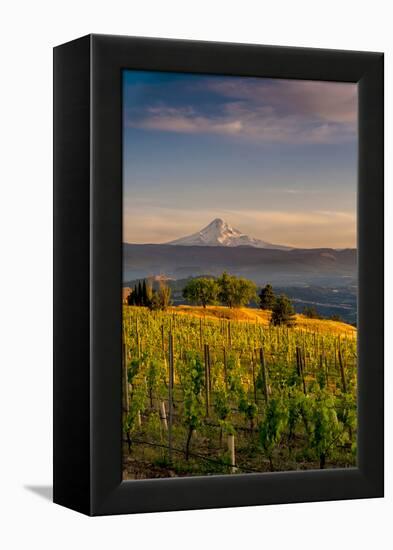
[(326, 430), (267, 297), (248, 408), (221, 403), (193, 379), (227, 427), (202, 291), (317, 427), (346, 410), (133, 370), (283, 312), (235, 291), (137, 406), (161, 298), (272, 426)]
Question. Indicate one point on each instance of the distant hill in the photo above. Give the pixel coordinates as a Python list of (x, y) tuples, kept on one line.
[(321, 266)]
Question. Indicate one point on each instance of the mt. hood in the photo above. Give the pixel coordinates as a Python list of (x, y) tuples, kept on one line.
[(220, 233)]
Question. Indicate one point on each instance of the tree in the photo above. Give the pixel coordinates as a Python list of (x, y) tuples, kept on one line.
[(311, 312), (149, 292), (135, 295), (144, 294), (202, 291), (235, 291), (267, 297), (283, 312), (139, 296), (161, 298), (165, 295), (131, 298), (336, 317)]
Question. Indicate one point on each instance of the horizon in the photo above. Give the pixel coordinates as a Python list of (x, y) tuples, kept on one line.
[(276, 159), (220, 219)]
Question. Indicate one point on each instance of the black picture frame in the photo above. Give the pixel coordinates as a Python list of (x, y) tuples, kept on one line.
[(88, 275)]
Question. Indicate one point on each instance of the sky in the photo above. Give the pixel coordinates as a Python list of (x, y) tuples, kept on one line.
[(277, 159)]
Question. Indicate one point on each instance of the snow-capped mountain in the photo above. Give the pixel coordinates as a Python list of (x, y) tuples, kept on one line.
[(220, 233)]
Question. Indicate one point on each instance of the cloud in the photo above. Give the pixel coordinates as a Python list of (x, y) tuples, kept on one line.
[(186, 121), (257, 109), (260, 110), (334, 102)]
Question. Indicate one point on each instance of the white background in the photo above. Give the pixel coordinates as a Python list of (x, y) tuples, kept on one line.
[(29, 30)]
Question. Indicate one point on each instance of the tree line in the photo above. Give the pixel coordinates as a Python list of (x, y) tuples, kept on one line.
[(232, 291), (227, 290), (145, 295)]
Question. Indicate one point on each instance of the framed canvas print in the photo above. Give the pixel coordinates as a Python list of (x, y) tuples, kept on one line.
[(218, 275)]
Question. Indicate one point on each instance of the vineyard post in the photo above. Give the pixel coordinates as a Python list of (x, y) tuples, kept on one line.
[(340, 360), (321, 367), (231, 448), (207, 381), (303, 357), (300, 364), (163, 415), (170, 394), (229, 334), (209, 368), (264, 374), (200, 332), (302, 354), (225, 369), (327, 372), (138, 344), (253, 376), (125, 379)]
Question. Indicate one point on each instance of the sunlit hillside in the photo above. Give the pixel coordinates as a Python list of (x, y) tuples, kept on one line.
[(263, 317)]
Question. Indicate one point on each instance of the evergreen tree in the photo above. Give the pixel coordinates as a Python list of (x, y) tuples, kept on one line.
[(283, 312), (144, 294), (267, 297), (139, 300)]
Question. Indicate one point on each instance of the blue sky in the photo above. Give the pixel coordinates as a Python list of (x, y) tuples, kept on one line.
[(275, 158)]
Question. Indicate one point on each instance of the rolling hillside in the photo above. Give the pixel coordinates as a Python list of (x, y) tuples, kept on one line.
[(263, 317)]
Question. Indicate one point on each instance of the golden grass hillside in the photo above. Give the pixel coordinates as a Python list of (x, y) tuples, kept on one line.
[(262, 317)]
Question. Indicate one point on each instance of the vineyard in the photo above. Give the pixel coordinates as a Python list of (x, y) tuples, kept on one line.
[(204, 394)]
